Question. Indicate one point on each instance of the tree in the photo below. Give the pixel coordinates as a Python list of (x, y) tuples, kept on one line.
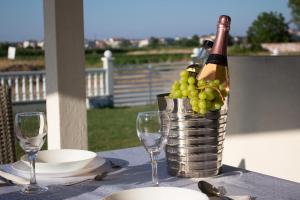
[(188, 42), (294, 5), (154, 42), (268, 27), (194, 41), (125, 44)]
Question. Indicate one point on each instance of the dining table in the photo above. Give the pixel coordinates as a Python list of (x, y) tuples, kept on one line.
[(134, 171)]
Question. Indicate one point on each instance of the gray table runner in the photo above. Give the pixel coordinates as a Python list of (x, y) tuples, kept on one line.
[(136, 172)]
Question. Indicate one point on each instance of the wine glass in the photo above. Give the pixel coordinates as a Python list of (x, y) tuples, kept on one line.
[(152, 129), (31, 130)]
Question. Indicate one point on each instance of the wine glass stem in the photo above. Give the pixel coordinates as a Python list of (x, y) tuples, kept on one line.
[(154, 168), (31, 158)]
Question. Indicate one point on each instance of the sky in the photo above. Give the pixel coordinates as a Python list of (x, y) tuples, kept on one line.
[(136, 19)]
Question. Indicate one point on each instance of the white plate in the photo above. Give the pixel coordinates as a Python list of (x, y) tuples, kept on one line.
[(61, 160), (158, 193), (22, 168)]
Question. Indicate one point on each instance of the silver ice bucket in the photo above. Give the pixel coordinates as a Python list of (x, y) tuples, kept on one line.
[(195, 143)]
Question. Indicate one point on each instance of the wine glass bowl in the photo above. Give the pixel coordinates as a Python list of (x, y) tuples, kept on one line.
[(31, 130), (152, 129)]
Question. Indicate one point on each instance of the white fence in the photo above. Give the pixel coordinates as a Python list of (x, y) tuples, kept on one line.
[(31, 86), (139, 85), (129, 85)]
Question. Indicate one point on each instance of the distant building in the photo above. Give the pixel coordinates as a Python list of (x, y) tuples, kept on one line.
[(144, 43), (115, 42), (41, 44), (29, 43), (134, 42), (238, 39), (177, 38), (100, 44), (166, 41), (295, 34)]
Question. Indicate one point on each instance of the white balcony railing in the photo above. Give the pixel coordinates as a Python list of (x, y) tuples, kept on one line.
[(31, 85)]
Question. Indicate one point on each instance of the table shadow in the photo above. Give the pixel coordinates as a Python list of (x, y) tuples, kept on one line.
[(55, 192), (140, 175)]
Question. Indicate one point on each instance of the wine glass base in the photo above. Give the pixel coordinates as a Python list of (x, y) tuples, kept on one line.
[(33, 189)]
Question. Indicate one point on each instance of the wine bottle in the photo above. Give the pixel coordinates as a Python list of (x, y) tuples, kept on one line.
[(200, 56), (216, 64), (199, 61)]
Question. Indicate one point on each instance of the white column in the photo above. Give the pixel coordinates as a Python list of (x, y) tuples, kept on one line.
[(44, 86), (30, 88), (89, 84), (24, 88), (37, 87), (17, 97), (101, 83), (9, 81), (95, 85), (108, 66), (65, 74)]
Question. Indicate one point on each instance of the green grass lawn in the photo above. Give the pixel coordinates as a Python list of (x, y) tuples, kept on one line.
[(113, 128)]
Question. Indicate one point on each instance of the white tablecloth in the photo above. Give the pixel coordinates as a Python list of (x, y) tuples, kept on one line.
[(136, 172)]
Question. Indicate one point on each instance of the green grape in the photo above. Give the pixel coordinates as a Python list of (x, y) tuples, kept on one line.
[(194, 93), (191, 87), (220, 102), (217, 106), (183, 86), (195, 108), (202, 104), (191, 80), (184, 93), (184, 73), (202, 95), (212, 84), (222, 87), (208, 105), (210, 96), (189, 95), (216, 82), (201, 83), (172, 92), (209, 89), (203, 111), (177, 94), (183, 80), (194, 101), (176, 85), (217, 94)]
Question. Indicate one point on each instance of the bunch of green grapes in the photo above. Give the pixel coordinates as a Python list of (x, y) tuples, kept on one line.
[(204, 95)]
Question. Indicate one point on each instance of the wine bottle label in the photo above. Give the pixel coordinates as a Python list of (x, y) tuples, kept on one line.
[(217, 59)]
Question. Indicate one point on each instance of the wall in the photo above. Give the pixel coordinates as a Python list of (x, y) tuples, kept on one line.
[(264, 115), (287, 47)]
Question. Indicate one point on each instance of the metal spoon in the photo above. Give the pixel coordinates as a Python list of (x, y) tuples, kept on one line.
[(211, 190)]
